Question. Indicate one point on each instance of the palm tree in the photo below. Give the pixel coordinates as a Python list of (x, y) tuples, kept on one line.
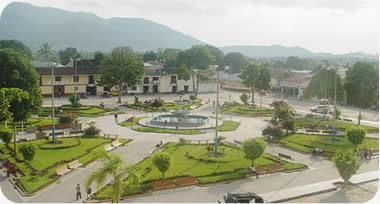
[(118, 170), (46, 52)]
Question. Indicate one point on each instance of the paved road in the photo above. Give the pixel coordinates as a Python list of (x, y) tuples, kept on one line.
[(143, 144)]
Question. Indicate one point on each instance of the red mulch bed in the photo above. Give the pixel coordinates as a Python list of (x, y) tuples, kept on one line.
[(158, 185), (185, 181)]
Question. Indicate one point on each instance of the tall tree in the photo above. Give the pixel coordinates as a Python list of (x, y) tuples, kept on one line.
[(98, 57), (347, 164), (150, 56), (47, 53), (196, 58), (362, 86), (115, 168), (122, 68), (235, 60), (294, 63), (217, 54), (324, 81), (250, 77), (18, 46), (161, 160), (67, 54), (7, 96), (170, 57), (263, 82), (17, 72)]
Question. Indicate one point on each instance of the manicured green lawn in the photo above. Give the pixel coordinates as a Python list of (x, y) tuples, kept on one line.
[(229, 125), (168, 107), (339, 124), (307, 143), (31, 122), (127, 124), (246, 111), (190, 160), (171, 131), (44, 163), (82, 111)]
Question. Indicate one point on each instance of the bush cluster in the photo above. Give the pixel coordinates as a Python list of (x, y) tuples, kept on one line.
[(275, 131), (6, 135), (91, 130), (74, 101), (28, 151)]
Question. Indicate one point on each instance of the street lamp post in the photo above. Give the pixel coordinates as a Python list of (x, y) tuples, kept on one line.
[(333, 123), (324, 100), (52, 103), (217, 110)]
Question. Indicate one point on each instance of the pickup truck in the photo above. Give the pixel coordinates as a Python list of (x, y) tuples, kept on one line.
[(320, 109)]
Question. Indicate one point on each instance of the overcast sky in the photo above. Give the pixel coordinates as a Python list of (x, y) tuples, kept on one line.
[(337, 26)]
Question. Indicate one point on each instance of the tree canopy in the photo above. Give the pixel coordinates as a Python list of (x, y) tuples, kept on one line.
[(235, 60), (347, 164), (122, 68), (98, 57), (356, 135), (161, 160), (324, 80), (250, 76), (253, 149), (67, 54), (150, 56), (7, 96), (18, 46), (217, 54), (46, 53)]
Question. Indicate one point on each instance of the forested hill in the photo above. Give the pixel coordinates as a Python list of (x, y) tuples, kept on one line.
[(283, 51), (36, 25)]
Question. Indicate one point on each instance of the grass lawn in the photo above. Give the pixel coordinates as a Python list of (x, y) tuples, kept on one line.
[(229, 125), (42, 169), (307, 143), (246, 111), (127, 124), (339, 124), (31, 122), (190, 160), (163, 130), (168, 106), (82, 111)]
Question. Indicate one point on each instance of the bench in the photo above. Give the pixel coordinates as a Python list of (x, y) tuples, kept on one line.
[(62, 170), (79, 132), (345, 119), (285, 156), (110, 135), (375, 152), (108, 147), (57, 134), (74, 164), (275, 168), (116, 143)]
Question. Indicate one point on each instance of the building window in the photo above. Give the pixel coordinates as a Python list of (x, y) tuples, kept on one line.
[(134, 88), (91, 79), (173, 80), (146, 80), (58, 78), (75, 78), (76, 88), (155, 78)]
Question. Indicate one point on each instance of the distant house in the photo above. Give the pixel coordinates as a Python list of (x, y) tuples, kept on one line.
[(294, 86), (67, 81)]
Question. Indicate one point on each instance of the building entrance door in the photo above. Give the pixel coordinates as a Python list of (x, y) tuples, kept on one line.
[(155, 88)]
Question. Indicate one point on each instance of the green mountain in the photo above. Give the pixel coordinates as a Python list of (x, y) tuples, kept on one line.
[(36, 25)]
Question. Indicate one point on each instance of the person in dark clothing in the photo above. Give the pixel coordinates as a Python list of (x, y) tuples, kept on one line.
[(79, 194), (115, 117)]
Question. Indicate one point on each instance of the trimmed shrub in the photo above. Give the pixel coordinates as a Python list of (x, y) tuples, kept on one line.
[(193, 97), (74, 101), (6, 135), (91, 131), (65, 119), (355, 135), (274, 131), (347, 164), (28, 151), (157, 103), (253, 149), (137, 100), (289, 125), (244, 98), (161, 160)]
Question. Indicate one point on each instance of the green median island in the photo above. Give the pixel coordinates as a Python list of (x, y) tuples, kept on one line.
[(128, 124), (228, 125), (307, 143), (82, 111), (321, 124), (41, 171), (246, 110), (190, 160), (30, 122), (169, 131)]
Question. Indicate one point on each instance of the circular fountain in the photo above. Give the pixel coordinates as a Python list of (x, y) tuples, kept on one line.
[(179, 119)]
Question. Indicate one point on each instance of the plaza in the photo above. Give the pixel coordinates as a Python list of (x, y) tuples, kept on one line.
[(319, 172)]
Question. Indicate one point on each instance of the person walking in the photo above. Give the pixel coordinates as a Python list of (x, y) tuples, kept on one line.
[(79, 194), (115, 117), (253, 169)]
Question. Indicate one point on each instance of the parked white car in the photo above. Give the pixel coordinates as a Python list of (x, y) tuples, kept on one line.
[(321, 109)]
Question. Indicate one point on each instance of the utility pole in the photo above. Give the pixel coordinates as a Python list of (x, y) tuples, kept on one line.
[(75, 80), (52, 103), (217, 110), (333, 123), (324, 100)]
